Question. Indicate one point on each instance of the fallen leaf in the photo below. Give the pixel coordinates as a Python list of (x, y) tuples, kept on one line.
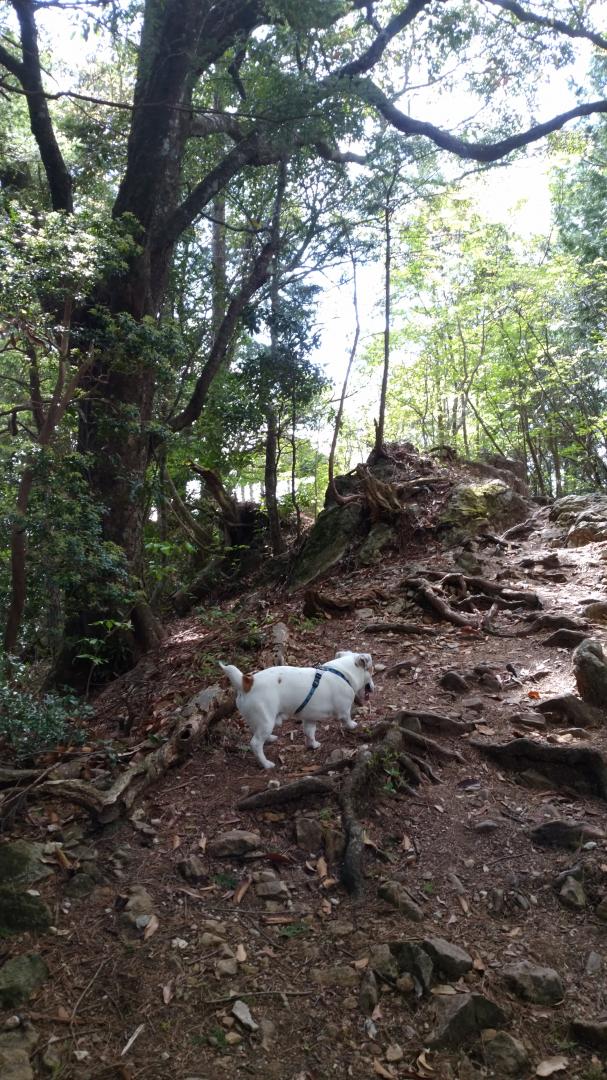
[(535, 696), (443, 990), (321, 868), (552, 1065), (241, 953), (241, 890), (441, 809), (406, 843), (62, 859), (202, 843), (63, 1015), (176, 842), (329, 882), (167, 993), (423, 1063), (380, 1070), (362, 963), (463, 903), (151, 927)]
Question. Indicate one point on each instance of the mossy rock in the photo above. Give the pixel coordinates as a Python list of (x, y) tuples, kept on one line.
[(331, 537), (380, 537), (21, 863), (488, 502), (20, 978), (20, 912)]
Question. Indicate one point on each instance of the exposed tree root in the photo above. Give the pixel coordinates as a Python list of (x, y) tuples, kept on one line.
[(578, 768), (572, 710), (317, 602), (107, 805), (399, 628), (299, 789), (437, 722), (567, 639)]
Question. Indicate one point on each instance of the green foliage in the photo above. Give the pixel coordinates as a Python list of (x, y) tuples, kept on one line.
[(31, 724)]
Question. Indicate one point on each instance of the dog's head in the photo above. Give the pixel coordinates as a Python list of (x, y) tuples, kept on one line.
[(363, 668)]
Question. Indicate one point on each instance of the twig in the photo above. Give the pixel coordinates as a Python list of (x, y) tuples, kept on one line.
[(87, 988), (135, 1035), (259, 993)]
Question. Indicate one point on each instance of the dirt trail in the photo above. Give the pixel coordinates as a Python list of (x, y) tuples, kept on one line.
[(275, 929)]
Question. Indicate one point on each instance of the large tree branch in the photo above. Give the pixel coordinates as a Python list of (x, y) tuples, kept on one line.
[(367, 91), (377, 47), (30, 76), (561, 27), (221, 344)]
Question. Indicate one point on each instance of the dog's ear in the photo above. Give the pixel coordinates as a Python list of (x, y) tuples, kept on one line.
[(343, 652), (363, 660)]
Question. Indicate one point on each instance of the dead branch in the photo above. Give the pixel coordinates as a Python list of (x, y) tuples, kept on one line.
[(426, 594), (299, 789), (399, 628)]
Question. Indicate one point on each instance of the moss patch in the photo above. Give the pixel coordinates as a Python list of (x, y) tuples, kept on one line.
[(20, 912)]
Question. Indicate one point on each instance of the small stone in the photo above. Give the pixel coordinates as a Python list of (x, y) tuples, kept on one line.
[(20, 978), (340, 929), (394, 893), (594, 963), (591, 1032), (415, 961), (21, 862), (572, 894), (232, 1038), (601, 910), (192, 869), (505, 1054), (382, 960), (18, 1034), (138, 909), (229, 966), (448, 958), (210, 941), (369, 993), (243, 1014), (269, 890), (19, 912), (235, 842), (308, 834), (464, 1016), (394, 1052), (335, 843), (15, 1065), (487, 825), (336, 976), (80, 886), (214, 927), (405, 984), (267, 1030), (452, 680), (541, 985)]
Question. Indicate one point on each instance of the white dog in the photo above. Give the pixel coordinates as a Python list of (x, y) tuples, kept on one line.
[(270, 696)]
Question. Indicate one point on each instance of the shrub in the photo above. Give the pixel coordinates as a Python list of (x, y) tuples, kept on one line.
[(32, 723)]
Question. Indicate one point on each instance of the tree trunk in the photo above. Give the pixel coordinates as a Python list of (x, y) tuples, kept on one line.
[(270, 483), (378, 448), (18, 544)]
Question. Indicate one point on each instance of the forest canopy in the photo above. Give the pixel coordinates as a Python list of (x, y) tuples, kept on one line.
[(178, 181)]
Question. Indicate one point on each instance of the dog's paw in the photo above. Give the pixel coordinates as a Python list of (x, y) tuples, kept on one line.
[(271, 738), (351, 724), (313, 745), (270, 765)]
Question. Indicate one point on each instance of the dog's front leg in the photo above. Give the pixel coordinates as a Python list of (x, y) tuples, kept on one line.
[(348, 722), (309, 729)]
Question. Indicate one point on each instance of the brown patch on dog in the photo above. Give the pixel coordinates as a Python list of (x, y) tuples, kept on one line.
[(247, 683)]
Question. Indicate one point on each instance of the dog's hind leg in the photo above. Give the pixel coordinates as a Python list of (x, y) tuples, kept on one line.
[(262, 726), (309, 729)]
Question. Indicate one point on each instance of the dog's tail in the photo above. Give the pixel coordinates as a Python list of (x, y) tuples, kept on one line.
[(239, 681)]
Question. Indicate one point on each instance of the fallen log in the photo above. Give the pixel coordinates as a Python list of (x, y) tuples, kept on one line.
[(425, 592)]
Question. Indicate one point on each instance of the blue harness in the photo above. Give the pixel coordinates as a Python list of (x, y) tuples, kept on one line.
[(318, 674)]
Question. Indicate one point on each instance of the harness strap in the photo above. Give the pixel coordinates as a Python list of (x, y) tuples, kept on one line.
[(334, 671), (318, 674), (317, 677)]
